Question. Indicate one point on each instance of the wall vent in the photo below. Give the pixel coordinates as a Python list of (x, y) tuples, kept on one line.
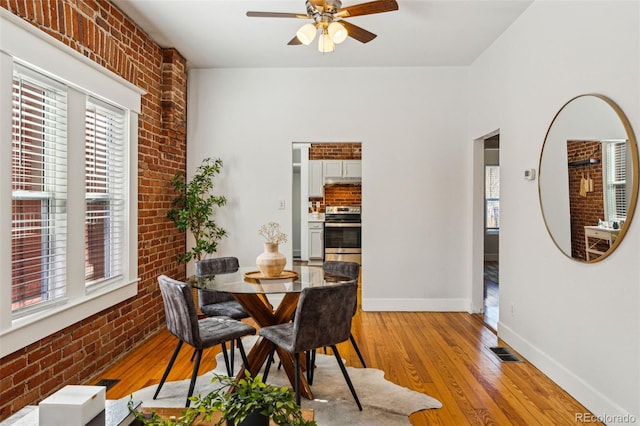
[(504, 354)]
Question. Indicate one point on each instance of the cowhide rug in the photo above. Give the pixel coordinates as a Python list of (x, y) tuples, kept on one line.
[(383, 402)]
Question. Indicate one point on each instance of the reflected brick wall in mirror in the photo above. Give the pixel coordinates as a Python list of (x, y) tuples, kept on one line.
[(585, 209)]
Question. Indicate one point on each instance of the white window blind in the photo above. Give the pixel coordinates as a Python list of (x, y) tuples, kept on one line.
[(39, 189), (105, 191), (615, 172), (492, 197)]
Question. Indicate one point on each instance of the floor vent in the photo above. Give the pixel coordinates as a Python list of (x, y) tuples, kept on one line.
[(107, 382), (504, 354)]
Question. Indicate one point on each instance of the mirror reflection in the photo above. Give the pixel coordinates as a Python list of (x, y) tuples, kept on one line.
[(588, 177)]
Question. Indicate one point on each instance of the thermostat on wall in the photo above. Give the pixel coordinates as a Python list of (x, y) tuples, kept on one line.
[(530, 174)]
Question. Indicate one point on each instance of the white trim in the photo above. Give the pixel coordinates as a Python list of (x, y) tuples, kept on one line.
[(6, 107), (596, 402), (21, 43), (416, 305), (31, 328)]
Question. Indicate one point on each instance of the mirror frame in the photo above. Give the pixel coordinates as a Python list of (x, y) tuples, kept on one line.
[(634, 189)]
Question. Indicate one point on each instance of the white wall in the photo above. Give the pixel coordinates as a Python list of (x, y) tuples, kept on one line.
[(411, 123), (577, 322)]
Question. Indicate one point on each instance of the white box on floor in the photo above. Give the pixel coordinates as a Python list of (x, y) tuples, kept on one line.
[(72, 406)]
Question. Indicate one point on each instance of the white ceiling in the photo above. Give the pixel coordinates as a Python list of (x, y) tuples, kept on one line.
[(218, 34)]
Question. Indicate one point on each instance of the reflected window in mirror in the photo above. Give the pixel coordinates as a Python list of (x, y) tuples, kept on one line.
[(615, 181)]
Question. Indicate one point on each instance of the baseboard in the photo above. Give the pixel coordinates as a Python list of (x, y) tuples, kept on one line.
[(596, 402), (415, 305)]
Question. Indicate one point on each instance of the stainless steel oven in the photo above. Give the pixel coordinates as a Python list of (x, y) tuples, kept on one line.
[(343, 233)]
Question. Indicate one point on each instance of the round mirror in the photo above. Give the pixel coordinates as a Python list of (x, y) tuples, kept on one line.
[(588, 177)]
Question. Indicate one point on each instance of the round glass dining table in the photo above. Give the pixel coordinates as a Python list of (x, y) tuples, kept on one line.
[(251, 289)]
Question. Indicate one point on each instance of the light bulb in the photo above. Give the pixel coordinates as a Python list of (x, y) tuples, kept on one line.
[(306, 33), (337, 32), (325, 44)]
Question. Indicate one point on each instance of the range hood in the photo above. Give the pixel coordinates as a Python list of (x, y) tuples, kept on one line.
[(329, 181)]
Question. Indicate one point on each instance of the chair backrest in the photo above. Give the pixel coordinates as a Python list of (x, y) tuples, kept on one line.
[(345, 269), (215, 266), (180, 310), (323, 315)]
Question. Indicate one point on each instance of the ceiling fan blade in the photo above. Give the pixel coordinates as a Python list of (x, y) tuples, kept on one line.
[(276, 15), (358, 33), (378, 6), (294, 41)]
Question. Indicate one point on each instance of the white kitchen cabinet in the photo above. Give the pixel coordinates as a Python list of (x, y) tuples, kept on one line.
[(316, 179), (316, 241), (332, 168), (352, 168), (342, 168)]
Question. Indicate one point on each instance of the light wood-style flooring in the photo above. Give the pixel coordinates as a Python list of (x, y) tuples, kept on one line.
[(445, 355)]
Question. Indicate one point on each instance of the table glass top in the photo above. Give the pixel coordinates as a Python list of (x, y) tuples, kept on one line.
[(235, 282)]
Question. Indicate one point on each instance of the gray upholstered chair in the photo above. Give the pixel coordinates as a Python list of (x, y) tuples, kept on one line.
[(182, 321), (214, 303), (352, 271), (322, 318)]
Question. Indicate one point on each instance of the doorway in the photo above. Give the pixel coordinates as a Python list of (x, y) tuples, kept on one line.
[(491, 252)]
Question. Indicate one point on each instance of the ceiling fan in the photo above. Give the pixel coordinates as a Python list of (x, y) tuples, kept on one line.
[(328, 20)]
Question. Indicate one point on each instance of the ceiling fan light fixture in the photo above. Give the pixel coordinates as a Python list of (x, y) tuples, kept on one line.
[(306, 33), (325, 44), (337, 32)]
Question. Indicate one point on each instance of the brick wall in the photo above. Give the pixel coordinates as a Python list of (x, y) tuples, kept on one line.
[(338, 195), (77, 354), (335, 151), (584, 210)]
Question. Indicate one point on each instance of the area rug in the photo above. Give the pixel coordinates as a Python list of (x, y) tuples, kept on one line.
[(383, 402)]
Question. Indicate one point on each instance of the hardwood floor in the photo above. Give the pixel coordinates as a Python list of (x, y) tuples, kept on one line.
[(445, 355)]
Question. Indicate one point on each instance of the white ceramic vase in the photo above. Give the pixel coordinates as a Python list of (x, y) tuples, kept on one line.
[(271, 262)]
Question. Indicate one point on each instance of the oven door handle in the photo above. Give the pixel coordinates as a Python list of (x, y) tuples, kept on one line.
[(342, 225)]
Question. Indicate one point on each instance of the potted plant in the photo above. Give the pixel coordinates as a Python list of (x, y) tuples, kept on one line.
[(244, 402), (193, 208)]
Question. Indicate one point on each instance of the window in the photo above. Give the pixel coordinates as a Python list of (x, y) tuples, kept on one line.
[(68, 187), (104, 186), (615, 172), (39, 190), (39, 187), (492, 197)]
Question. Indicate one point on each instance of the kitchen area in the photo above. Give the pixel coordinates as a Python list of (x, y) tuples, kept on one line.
[(327, 199)]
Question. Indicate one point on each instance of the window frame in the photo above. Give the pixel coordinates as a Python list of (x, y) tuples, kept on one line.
[(610, 199), (23, 44), (488, 229)]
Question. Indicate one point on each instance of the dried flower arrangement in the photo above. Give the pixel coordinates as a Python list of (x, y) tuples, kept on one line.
[(271, 232)]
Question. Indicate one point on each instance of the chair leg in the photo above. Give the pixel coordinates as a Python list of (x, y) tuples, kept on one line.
[(194, 376), (297, 385), (269, 362), (245, 361), (355, 346), (166, 371), (226, 358), (231, 355), (346, 376), (311, 365)]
